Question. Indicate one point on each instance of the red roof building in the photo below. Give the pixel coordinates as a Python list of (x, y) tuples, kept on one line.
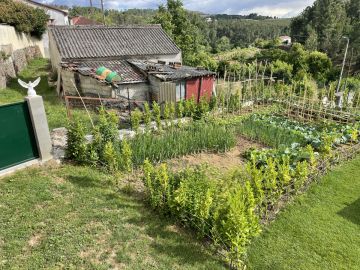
[(80, 20)]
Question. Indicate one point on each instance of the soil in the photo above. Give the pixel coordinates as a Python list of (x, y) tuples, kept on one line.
[(222, 161)]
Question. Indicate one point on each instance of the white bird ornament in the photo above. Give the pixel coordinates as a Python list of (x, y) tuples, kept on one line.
[(30, 86)]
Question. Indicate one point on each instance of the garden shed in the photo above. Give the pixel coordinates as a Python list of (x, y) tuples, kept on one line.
[(175, 82)]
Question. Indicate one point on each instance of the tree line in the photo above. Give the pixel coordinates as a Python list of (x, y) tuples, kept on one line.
[(323, 25)]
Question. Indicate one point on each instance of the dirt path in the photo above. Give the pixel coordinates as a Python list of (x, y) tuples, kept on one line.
[(221, 161)]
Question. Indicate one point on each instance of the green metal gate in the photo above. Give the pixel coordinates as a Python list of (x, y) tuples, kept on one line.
[(17, 139)]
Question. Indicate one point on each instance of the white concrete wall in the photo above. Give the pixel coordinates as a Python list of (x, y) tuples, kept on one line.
[(137, 91), (54, 54), (166, 58), (8, 36)]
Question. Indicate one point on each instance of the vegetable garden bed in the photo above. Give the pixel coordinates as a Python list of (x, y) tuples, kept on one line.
[(230, 202)]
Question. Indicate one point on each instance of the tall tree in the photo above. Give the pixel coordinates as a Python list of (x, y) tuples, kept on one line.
[(329, 20)]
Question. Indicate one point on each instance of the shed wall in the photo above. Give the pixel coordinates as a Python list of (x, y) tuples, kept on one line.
[(204, 84)]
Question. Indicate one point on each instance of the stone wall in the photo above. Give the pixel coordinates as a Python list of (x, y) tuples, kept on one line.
[(16, 62), (7, 68)]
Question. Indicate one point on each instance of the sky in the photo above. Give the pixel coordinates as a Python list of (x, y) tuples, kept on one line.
[(279, 8)]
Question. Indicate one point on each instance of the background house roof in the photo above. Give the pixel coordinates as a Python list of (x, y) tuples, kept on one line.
[(80, 20), (168, 72), (81, 42), (127, 72)]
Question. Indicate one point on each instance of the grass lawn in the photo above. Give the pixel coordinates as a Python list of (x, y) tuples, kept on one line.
[(75, 218), (320, 230), (55, 109)]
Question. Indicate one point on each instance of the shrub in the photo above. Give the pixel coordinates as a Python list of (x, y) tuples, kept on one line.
[(23, 17), (109, 157), (157, 114), (180, 109), (76, 148), (125, 156), (135, 119), (201, 108), (189, 107), (147, 115)]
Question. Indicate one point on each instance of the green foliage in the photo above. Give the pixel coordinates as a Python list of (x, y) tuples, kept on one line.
[(186, 32), (147, 115), (180, 109), (223, 44), (229, 216), (125, 156), (166, 111), (24, 18), (301, 174), (319, 65), (157, 114), (135, 117), (202, 108), (193, 199), (321, 26), (109, 157), (108, 126), (189, 107), (281, 70), (76, 148), (193, 138), (172, 111)]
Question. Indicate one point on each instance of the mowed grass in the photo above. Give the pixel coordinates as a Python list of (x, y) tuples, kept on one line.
[(76, 218), (320, 230), (54, 106)]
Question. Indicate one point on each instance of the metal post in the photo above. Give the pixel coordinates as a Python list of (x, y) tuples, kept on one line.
[(343, 65), (102, 10)]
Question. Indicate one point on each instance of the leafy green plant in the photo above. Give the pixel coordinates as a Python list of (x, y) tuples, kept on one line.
[(157, 114), (109, 157), (147, 115), (180, 109), (189, 107), (172, 111), (125, 156), (76, 148), (191, 139), (135, 119), (202, 108)]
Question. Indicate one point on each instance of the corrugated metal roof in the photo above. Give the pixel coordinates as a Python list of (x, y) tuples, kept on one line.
[(127, 72), (80, 42), (167, 72)]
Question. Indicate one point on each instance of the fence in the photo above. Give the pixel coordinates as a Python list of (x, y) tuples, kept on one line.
[(24, 133)]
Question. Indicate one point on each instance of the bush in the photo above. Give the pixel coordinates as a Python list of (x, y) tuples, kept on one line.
[(147, 115), (23, 17), (135, 118), (157, 114), (76, 148)]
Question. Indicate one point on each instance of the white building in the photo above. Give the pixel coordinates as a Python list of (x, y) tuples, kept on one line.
[(57, 17)]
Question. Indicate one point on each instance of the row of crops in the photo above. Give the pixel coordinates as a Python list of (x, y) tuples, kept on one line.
[(226, 208)]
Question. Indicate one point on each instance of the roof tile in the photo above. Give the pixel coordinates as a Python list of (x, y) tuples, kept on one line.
[(79, 42)]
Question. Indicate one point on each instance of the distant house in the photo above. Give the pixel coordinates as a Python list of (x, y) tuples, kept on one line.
[(285, 40), (148, 63), (80, 20)]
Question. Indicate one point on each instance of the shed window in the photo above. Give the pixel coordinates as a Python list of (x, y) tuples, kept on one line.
[(180, 90)]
